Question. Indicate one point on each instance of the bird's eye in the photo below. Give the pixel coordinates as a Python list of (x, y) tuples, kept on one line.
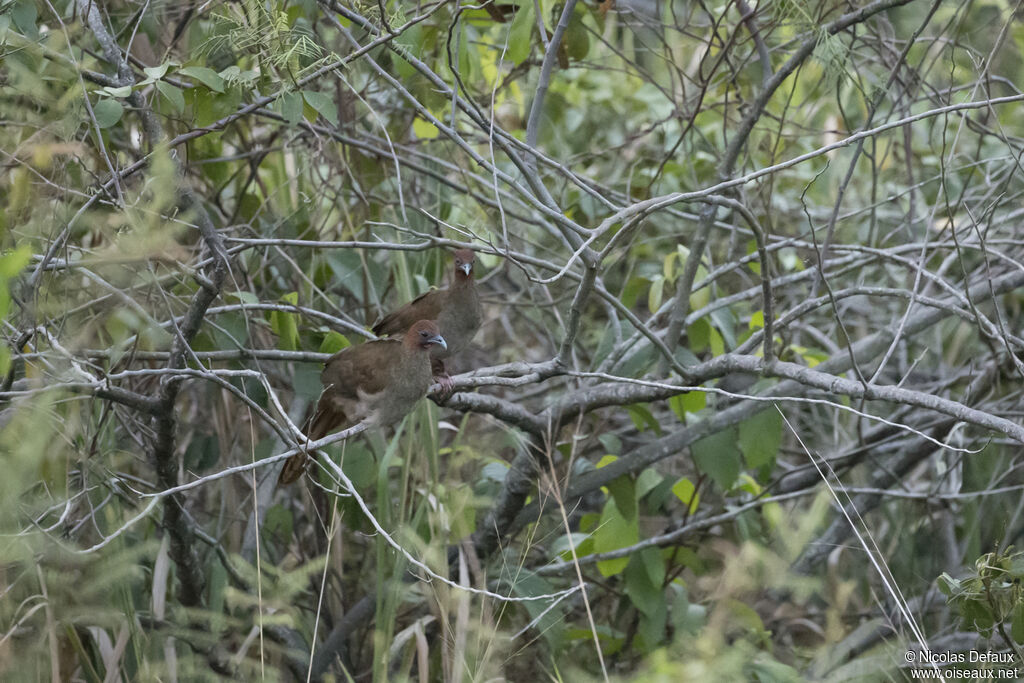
[(423, 333)]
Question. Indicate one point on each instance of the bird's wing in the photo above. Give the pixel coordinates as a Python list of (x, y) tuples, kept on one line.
[(363, 368), (350, 377), (426, 306)]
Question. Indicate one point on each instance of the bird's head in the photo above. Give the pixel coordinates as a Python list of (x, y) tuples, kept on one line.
[(423, 335), (464, 260)]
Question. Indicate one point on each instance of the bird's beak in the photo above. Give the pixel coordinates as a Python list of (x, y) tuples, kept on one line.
[(439, 340), (466, 268)]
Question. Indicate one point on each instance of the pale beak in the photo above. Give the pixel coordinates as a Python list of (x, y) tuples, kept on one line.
[(439, 340), (466, 268)]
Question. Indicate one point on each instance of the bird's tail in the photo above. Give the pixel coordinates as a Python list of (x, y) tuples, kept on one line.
[(313, 426)]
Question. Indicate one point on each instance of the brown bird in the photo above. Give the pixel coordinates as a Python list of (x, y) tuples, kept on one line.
[(456, 310), (380, 380)]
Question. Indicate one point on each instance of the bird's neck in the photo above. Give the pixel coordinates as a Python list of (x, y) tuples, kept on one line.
[(462, 280)]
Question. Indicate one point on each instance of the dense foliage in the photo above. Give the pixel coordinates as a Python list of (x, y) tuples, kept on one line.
[(745, 404)]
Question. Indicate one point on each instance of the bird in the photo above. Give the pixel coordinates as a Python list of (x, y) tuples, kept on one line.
[(457, 312), (380, 381)]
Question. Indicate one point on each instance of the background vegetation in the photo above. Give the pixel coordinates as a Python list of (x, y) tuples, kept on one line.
[(745, 404)]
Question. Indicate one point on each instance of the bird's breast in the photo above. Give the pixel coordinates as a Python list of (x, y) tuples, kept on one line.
[(459, 323), (410, 382)]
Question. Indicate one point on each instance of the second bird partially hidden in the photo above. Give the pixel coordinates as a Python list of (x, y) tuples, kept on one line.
[(457, 312)]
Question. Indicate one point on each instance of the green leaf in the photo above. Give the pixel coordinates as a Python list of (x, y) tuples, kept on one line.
[(208, 77), (645, 595), (1015, 565), (654, 563), (702, 297), (768, 670), (290, 106), (468, 61), (12, 262), (611, 443), (978, 616), (413, 40), (358, 464), (306, 381), (278, 520), (173, 96), (743, 616), (545, 14), (643, 418), (563, 546), (24, 15), (334, 342), (718, 457), (108, 112), (519, 34), (754, 266), (651, 629), (119, 92), (324, 105), (948, 585), (577, 38), (760, 438), (655, 293), (668, 268), (202, 453), (646, 482), (210, 107), (724, 321), (1017, 628), (685, 616), (494, 471), (690, 402), (657, 497), (623, 490), (687, 494), (550, 618), (699, 335), (695, 401), (311, 115), (749, 484), (716, 342), (284, 325), (614, 531), (424, 130), (218, 584), (156, 72), (244, 296)]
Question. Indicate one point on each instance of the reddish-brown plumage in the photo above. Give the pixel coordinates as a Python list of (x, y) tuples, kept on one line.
[(456, 309), (381, 380)]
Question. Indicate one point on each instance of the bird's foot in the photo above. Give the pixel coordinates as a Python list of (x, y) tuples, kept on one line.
[(447, 387)]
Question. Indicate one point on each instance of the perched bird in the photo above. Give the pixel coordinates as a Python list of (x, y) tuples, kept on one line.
[(456, 310), (381, 380)]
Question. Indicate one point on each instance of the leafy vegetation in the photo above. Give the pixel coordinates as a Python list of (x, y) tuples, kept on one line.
[(745, 404)]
